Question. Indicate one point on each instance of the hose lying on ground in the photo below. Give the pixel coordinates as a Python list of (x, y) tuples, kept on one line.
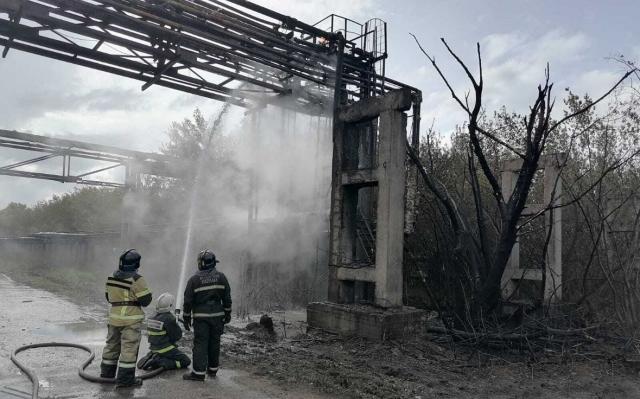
[(81, 370)]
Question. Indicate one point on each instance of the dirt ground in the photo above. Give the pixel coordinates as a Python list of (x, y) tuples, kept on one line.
[(420, 368), (300, 364)]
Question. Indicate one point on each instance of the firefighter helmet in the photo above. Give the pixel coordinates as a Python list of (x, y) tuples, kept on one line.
[(165, 303), (206, 260), (129, 260)]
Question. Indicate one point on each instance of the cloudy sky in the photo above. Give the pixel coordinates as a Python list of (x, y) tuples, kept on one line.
[(518, 37)]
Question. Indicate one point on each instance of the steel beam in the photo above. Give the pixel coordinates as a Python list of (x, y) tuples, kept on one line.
[(195, 46), (144, 162)]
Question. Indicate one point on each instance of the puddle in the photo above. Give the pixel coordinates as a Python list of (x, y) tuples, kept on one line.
[(85, 333)]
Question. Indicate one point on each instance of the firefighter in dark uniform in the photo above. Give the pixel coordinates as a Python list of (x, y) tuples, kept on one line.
[(127, 292), (207, 299), (163, 332)]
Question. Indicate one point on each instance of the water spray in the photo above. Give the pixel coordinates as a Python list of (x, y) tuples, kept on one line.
[(202, 157)]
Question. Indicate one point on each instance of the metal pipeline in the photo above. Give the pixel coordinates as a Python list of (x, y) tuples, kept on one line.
[(81, 370)]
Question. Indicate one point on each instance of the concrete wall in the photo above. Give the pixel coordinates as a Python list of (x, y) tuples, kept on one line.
[(90, 251), (366, 321)]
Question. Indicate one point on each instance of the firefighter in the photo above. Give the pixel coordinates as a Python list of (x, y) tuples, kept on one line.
[(207, 298), (164, 332), (127, 292)]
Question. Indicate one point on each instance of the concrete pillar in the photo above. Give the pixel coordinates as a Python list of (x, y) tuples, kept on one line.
[(553, 221), (552, 279), (336, 213), (377, 183), (509, 178), (391, 205), (412, 173)]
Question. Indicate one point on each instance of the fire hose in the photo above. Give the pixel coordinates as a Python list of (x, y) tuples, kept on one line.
[(81, 370)]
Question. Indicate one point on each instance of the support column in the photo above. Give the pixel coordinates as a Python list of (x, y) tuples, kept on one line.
[(391, 205), (357, 184), (553, 222), (551, 276), (337, 191)]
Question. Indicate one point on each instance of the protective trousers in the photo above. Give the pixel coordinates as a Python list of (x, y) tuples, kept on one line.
[(121, 351), (206, 344), (174, 359)]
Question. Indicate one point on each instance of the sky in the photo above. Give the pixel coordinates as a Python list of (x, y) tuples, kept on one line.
[(518, 38)]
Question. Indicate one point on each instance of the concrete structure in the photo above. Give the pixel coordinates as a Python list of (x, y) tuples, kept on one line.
[(367, 222), (368, 201), (551, 276), (56, 250), (365, 321)]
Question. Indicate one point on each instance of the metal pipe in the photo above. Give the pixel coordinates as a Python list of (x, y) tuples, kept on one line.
[(286, 20)]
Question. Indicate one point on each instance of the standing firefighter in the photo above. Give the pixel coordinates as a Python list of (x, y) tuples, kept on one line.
[(164, 333), (127, 292), (207, 298)]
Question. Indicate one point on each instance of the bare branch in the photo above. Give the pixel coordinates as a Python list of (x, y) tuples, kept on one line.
[(592, 104), (433, 62), (479, 65), (461, 63), (439, 191), (499, 141)]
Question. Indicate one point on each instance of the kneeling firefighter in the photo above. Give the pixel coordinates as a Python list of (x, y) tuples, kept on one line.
[(207, 298), (164, 332), (127, 292)]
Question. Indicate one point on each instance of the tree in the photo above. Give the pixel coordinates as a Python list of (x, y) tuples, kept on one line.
[(87, 209), (481, 254)]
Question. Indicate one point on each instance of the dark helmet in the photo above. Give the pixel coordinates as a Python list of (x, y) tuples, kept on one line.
[(129, 260), (206, 260)]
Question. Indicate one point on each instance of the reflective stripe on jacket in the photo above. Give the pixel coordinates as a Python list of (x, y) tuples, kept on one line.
[(207, 294), (127, 292), (163, 332)]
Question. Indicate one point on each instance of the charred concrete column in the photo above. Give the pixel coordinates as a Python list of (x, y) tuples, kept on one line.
[(391, 173), (357, 183)]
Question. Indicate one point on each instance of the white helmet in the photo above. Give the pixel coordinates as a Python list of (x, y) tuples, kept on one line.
[(165, 303)]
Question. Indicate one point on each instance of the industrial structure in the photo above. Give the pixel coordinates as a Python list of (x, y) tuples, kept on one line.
[(250, 56), (134, 163)]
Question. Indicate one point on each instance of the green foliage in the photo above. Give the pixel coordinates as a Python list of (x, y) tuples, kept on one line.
[(165, 201), (215, 173), (86, 209), (187, 139)]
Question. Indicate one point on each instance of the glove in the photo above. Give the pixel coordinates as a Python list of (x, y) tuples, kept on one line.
[(227, 317), (186, 322)]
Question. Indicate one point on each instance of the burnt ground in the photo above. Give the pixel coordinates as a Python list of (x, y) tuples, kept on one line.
[(300, 364), (420, 368)]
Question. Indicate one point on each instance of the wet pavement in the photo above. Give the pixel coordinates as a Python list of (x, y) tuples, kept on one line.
[(29, 315)]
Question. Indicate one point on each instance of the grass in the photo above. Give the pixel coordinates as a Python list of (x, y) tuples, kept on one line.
[(79, 285)]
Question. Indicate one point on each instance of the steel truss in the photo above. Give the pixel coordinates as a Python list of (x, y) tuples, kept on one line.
[(231, 50), (134, 162)]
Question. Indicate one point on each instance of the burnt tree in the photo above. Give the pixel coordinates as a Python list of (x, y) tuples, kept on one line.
[(484, 256)]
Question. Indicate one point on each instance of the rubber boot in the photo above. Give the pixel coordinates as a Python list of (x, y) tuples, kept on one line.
[(137, 382), (127, 378), (108, 370), (191, 376), (212, 371), (144, 362)]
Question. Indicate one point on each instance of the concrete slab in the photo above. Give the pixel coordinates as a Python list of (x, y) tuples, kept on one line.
[(366, 321)]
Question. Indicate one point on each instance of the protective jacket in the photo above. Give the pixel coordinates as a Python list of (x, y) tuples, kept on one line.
[(207, 295), (163, 332), (127, 292)]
